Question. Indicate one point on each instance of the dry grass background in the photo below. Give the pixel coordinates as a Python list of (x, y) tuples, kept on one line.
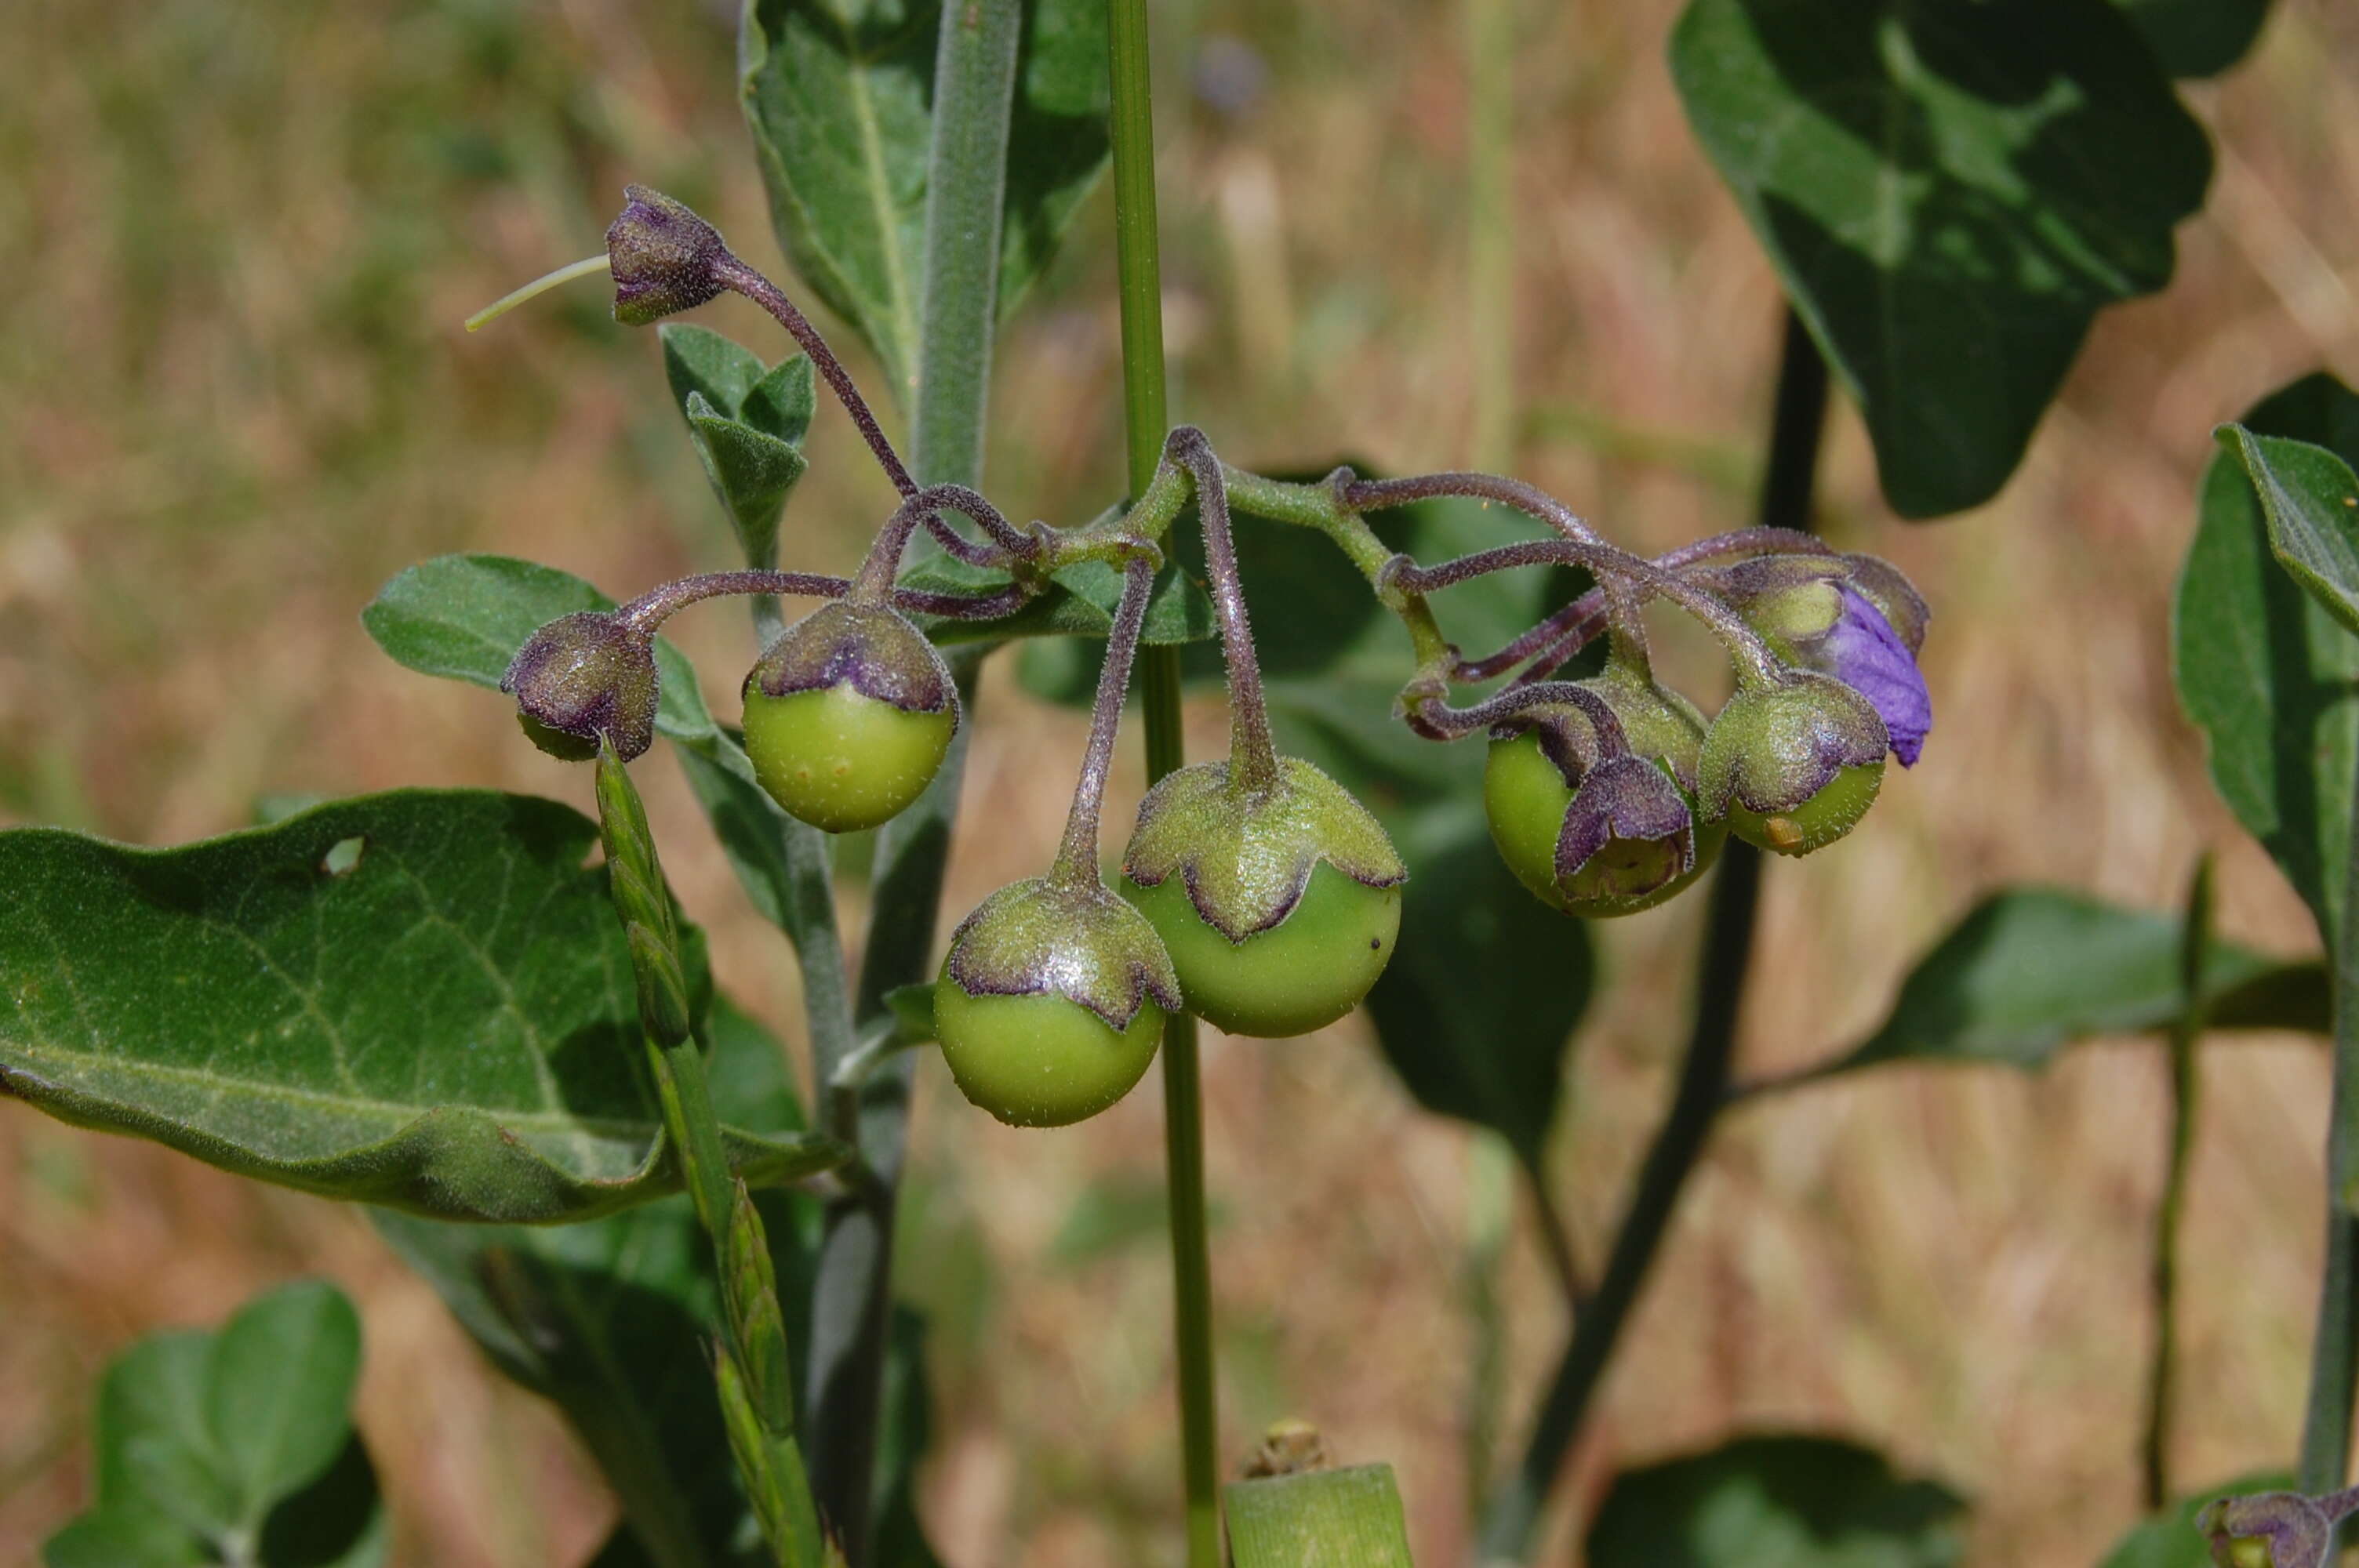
[(233, 400)]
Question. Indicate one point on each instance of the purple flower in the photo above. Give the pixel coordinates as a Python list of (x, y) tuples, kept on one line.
[(1863, 651)]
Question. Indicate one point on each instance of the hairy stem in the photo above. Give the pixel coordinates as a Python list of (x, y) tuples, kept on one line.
[(1077, 857), (1721, 975), (1144, 423), (743, 280), (1252, 758)]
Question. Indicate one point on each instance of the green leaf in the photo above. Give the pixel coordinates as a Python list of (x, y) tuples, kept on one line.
[(2311, 505), (610, 1321), (464, 617), (2168, 1539), (2265, 671), (913, 1012), (780, 863), (448, 1025), (2198, 37), (747, 425), (1485, 988), (1794, 1501), (1950, 192), (1352, 1515), (838, 94), (237, 1446), (2032, 971)]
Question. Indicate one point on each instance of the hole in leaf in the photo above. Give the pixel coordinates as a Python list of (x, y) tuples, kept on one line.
[(342, 856)]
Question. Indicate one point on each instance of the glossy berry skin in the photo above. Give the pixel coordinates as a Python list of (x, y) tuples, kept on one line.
[(1301, 974), (1525, 798), (842, 761), (1819, 821), (1041, 1060)]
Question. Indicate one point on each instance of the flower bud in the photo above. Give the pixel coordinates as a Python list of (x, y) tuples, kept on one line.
[(1052, 1001), (1793, 766), (1852, 617), (2272, 1529), (581, 676), (847, 715), (1279, 906), (664, 258)]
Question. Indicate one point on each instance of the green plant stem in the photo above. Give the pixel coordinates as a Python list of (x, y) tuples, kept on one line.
[(852, 1293), (2186, 1034), (2334, 1352), (1144, 422), (1796, 422)]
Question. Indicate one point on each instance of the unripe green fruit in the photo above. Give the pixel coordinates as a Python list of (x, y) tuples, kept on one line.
[(842, 761), (1301, 974), (1819, 821), (557, 743), (1041, 1060), (1525, 798)]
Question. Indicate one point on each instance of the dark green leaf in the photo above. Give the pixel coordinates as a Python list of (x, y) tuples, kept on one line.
[(464, 617), (1795, 1502), (2032, 971), (747, 425), (448, 1025), (2198, 37), (1951, 191), (781, 404), (2168, 1539), (1485, 988), (213, 1448), (2311, 503), (2264, 671), (838, 94), (610, 1321)]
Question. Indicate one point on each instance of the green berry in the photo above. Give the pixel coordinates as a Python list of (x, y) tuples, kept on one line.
[(841, 761), (1041, 1060), (1301, 974), (1051, 1000), (1279, 904), (847, 715), (1819, 821), (1526, 797)]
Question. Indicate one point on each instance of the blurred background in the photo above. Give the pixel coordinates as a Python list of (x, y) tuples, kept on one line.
[(235, 399)]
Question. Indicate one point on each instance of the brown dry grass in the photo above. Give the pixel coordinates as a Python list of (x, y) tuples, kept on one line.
[(231, 402)]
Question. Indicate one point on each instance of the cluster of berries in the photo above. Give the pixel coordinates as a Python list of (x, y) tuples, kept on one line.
[(1256, 891)]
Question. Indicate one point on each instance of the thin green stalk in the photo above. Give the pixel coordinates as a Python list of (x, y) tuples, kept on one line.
[(2186, 1034), (852, 1295), (1144, 422), (2334, 1352), (1786, 494)]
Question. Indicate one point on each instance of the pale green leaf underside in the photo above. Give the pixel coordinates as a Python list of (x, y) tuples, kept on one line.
[(447, 1026), (1951, 192), (838, 94)]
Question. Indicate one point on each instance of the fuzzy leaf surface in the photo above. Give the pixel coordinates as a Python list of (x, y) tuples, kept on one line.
[(1951, 192), (446, 1023), (2311, 505), (839, 96), (464, 617)]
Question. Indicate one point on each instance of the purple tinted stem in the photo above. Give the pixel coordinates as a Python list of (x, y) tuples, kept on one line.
[(1253, 760), (736, 275), (1077, 857)]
